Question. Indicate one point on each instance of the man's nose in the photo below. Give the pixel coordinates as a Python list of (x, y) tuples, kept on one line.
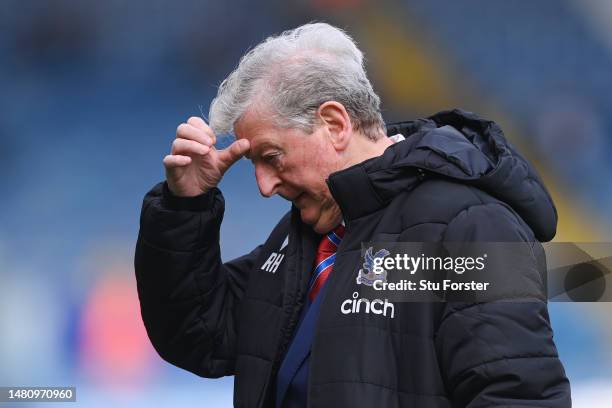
[(267, 181)]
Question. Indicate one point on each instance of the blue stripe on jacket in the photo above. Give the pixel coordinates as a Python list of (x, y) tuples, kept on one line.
[(292, 381)]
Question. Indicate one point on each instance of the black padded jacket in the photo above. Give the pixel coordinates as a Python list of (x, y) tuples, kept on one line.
[(454, 178)]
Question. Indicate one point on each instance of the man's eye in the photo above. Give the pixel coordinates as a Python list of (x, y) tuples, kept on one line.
[(271, 158)]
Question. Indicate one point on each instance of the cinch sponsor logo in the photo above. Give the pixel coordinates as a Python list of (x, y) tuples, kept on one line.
[(362, 305)]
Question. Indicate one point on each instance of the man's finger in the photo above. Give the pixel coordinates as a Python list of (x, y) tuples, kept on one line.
[(234, 152), (189, 147), (199, 123), (175, 160), (190, 132)]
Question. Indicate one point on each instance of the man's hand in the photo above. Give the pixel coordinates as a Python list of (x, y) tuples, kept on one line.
[(194, 165)]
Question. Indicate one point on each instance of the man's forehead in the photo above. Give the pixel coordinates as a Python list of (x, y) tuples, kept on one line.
[(258, 130)]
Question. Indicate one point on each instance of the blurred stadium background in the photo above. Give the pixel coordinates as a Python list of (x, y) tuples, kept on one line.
[(91, 94)]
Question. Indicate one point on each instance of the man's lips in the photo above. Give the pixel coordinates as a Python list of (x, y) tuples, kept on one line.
[(295, 199)]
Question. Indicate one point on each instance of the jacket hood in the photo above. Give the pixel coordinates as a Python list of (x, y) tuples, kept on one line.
[(453, 144)]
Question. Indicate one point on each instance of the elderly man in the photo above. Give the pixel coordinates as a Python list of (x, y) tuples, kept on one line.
[(305, 114)]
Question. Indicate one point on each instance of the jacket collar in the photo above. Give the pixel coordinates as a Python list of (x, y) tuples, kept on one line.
[(456, 145)]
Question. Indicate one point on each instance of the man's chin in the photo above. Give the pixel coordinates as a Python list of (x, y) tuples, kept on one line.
[(308, 217), (317, 222)]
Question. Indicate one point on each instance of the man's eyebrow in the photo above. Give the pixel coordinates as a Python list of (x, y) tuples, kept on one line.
[(256, 151)]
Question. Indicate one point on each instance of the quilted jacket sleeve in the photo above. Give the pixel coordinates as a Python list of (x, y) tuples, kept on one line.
[(499, 354), (188, 297)]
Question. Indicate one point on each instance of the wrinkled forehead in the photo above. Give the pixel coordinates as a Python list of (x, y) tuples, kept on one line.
[(255, 126)]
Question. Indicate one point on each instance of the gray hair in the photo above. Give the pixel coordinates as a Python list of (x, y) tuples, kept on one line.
[(292, 74)]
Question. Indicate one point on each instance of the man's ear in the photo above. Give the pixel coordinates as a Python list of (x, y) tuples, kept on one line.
[(336, 120)]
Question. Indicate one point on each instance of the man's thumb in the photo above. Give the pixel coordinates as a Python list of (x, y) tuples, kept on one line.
[(234, 152)]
